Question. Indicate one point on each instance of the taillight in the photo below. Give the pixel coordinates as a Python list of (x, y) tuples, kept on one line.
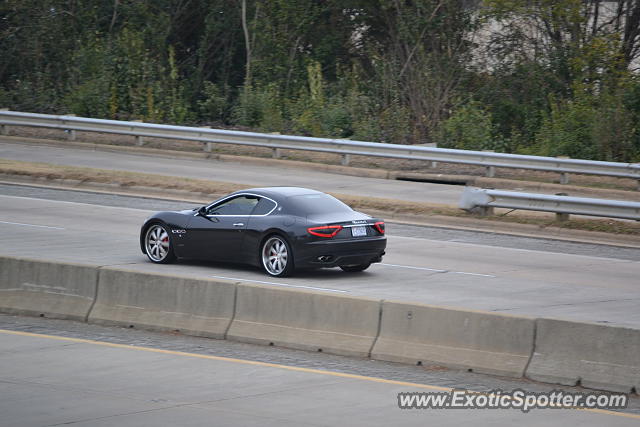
[(379, 226), (325, 231)]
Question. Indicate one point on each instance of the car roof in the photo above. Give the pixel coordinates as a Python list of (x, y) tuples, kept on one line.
[(280, 192)]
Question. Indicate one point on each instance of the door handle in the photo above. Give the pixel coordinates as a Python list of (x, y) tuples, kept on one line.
[(239, 224)]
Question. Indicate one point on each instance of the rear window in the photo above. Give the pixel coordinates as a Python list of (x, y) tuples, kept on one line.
[(263, 207), (308, 204)]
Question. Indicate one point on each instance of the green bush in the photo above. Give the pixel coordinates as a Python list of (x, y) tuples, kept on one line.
[(597, 127), (213, 107), (90, 99), (614, 131), (395, 124), (35, 95), (259, 108), (336, 120), (568, 131), (468, 128)]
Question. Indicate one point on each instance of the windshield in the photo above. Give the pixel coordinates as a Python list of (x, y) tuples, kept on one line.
[(313, 204)]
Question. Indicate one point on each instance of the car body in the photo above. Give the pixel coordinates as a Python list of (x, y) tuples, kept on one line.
[(277, 228)]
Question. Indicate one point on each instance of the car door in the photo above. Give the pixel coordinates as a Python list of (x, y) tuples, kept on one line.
[(219, 234)]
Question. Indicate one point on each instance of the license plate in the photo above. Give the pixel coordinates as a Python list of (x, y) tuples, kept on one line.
[(358, 231)]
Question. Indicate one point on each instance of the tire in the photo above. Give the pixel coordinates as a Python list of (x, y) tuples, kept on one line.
[(276, 256), (157, 245), (355, 268)]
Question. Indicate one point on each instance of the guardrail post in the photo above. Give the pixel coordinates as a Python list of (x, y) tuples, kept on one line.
[(564, 178), (485, 210), (207, 146), (433, 164), (71, 133), (562, 216), (346, 158), (276, 153), (4, 129), (490, 171), (139, 139)]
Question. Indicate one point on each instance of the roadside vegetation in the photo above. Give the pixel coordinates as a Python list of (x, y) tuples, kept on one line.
[(547, 77)]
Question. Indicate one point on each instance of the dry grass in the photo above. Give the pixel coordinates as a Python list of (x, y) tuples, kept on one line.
[(210, 189), (600, 225), (120, 178)]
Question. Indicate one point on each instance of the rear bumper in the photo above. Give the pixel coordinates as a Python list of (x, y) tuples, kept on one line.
[(332, 253)]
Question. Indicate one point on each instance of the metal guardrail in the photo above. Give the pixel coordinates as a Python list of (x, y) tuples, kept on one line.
[(485, 200), (346, 148)]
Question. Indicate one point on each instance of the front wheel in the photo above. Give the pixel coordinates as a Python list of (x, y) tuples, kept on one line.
[(277, 257), (157, 245), (355, 268)]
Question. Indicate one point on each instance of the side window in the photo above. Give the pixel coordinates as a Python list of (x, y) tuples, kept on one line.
[(241, 205), (263, 207)]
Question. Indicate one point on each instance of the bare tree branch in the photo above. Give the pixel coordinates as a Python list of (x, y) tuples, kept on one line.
[(115, 15), (247, 44)]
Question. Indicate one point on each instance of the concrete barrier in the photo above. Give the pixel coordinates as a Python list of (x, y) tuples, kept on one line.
[(305, 320), (479, 341), (558, 351), (52, 289), (595, 356), (163, 302)]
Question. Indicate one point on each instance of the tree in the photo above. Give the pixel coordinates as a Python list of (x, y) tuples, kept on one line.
[(557, 67), (417, 52)]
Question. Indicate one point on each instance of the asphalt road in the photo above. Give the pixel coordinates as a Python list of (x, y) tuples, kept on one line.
[(66, 373), (407, 230), (521, 277), (236, 172), (79, 374)]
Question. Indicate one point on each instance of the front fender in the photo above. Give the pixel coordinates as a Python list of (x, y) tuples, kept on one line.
[(172, 220)]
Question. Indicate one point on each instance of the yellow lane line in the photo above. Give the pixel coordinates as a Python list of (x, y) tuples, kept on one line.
[(271, 365)]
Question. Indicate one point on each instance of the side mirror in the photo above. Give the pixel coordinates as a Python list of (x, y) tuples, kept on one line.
[(202, 211)]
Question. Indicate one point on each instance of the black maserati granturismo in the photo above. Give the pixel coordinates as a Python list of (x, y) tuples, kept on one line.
[(278, 228)]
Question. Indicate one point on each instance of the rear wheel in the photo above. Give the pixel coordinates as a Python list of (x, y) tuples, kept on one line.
[(277, 257), (157, 245), (355, 268)]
